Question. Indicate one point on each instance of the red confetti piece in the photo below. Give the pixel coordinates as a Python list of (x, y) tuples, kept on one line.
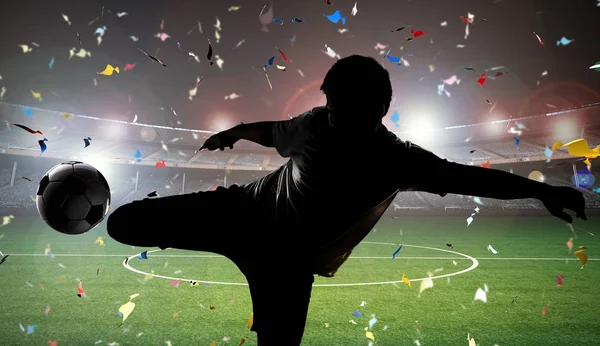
[(283, 56), (466, 20), (539, 39), (485, 164), (481, 79), (161, 164), (80, 290), (417, 33), (52, 343), (129, 67), (28, 129), (559, 280)]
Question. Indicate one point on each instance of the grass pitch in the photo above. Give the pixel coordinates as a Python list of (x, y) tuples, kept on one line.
[(532, 252)]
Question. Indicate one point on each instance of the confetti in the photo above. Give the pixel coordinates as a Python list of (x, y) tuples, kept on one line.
[(355, 9), (232, 96), (138, 155), (570, 244), (545, 310), (481, 79), (28, 129), (99, 241), (470, 219), (210, 52), (395, 118), (86, 142), (162, 36), (548, 153), (511, 303), (239, 44), (336, 17), (393, 59), (277, 20), (583, 257), (243, 340), (369, 335), (471, 340), (539, 39), (175, 283), (266, 18), (36, 95), (66, 18), (128, 67), (80, 291), (454, 262), (452, 80), (126, 309), (160, 164), (517, 142), (143, 256), (297, 20), (416, 33), (25, 48), (2, 92), (427, 283), (401, 28), (596, 67), (283, 56), (81, 54), (31, 328), (406, 280), (43, 146), (153, 58), (28, 179), (108, 71), (490, 248), (397, 252), (466, 20), (152, 194), (559, 280), (579, 147), (563, 41), (3, 258), (51, 64), (481, 294)]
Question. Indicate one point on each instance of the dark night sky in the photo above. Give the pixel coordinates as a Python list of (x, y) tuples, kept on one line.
[(506, 38)]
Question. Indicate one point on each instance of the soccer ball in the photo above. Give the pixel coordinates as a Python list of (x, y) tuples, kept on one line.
[(73, 197)]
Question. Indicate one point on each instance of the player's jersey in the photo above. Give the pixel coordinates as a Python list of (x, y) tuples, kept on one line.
[(330, 180)]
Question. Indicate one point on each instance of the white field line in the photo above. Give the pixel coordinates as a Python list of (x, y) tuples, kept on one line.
[(474, 265), (351, 257)]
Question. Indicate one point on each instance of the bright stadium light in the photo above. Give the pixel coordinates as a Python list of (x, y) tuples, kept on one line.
[(100, 164), (421, 131), (565, 130)]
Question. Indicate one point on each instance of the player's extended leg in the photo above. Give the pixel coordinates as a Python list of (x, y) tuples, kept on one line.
[(280, 304), (204, 221)]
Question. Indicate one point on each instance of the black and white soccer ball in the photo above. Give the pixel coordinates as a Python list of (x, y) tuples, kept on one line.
[(73, 197)]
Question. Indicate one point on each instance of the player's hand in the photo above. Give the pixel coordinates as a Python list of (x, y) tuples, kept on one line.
[(559, 198), (220, 141)]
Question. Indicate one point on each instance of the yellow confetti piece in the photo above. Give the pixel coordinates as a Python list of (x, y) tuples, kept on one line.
[(326, 324), (108, 71), (405, 280), (234, 8), (68, 116), (99, 241), (368, 334), (127, 308), (583, 257), (213, 343), (37, 96), (175, 315), (243, 340), (471, 340), (579, 147), (251, 320)]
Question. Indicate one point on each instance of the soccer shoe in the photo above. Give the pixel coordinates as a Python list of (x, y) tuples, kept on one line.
[(329, 269)]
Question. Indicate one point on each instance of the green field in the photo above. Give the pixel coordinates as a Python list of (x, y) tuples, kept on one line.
[(445, 313)]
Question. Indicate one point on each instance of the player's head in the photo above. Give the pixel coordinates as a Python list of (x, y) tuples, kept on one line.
[(358, 90)]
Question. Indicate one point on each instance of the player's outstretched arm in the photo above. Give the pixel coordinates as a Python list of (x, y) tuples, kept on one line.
[(443, 177), (260, 133)]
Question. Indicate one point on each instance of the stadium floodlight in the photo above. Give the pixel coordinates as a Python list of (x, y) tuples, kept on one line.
[(100, 163), (422, 131)]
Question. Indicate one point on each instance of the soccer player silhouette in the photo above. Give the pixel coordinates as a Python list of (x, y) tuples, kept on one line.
[(272, 228)]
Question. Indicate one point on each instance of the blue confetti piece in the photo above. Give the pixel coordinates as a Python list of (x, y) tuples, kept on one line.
[(51, 255), (395, 59), (517, 142), (396, 252), (27, 111), (335, 17), (138, 155), (51, 65), (43, 146), (143, 255), (598, 189), (396, 118), (87, 142), (277, 20), (270, 63), (296, 20), (357, 314), (441, 89), (548, 153), (31, 328), (179, 45), (520, 126), (564, 41)]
